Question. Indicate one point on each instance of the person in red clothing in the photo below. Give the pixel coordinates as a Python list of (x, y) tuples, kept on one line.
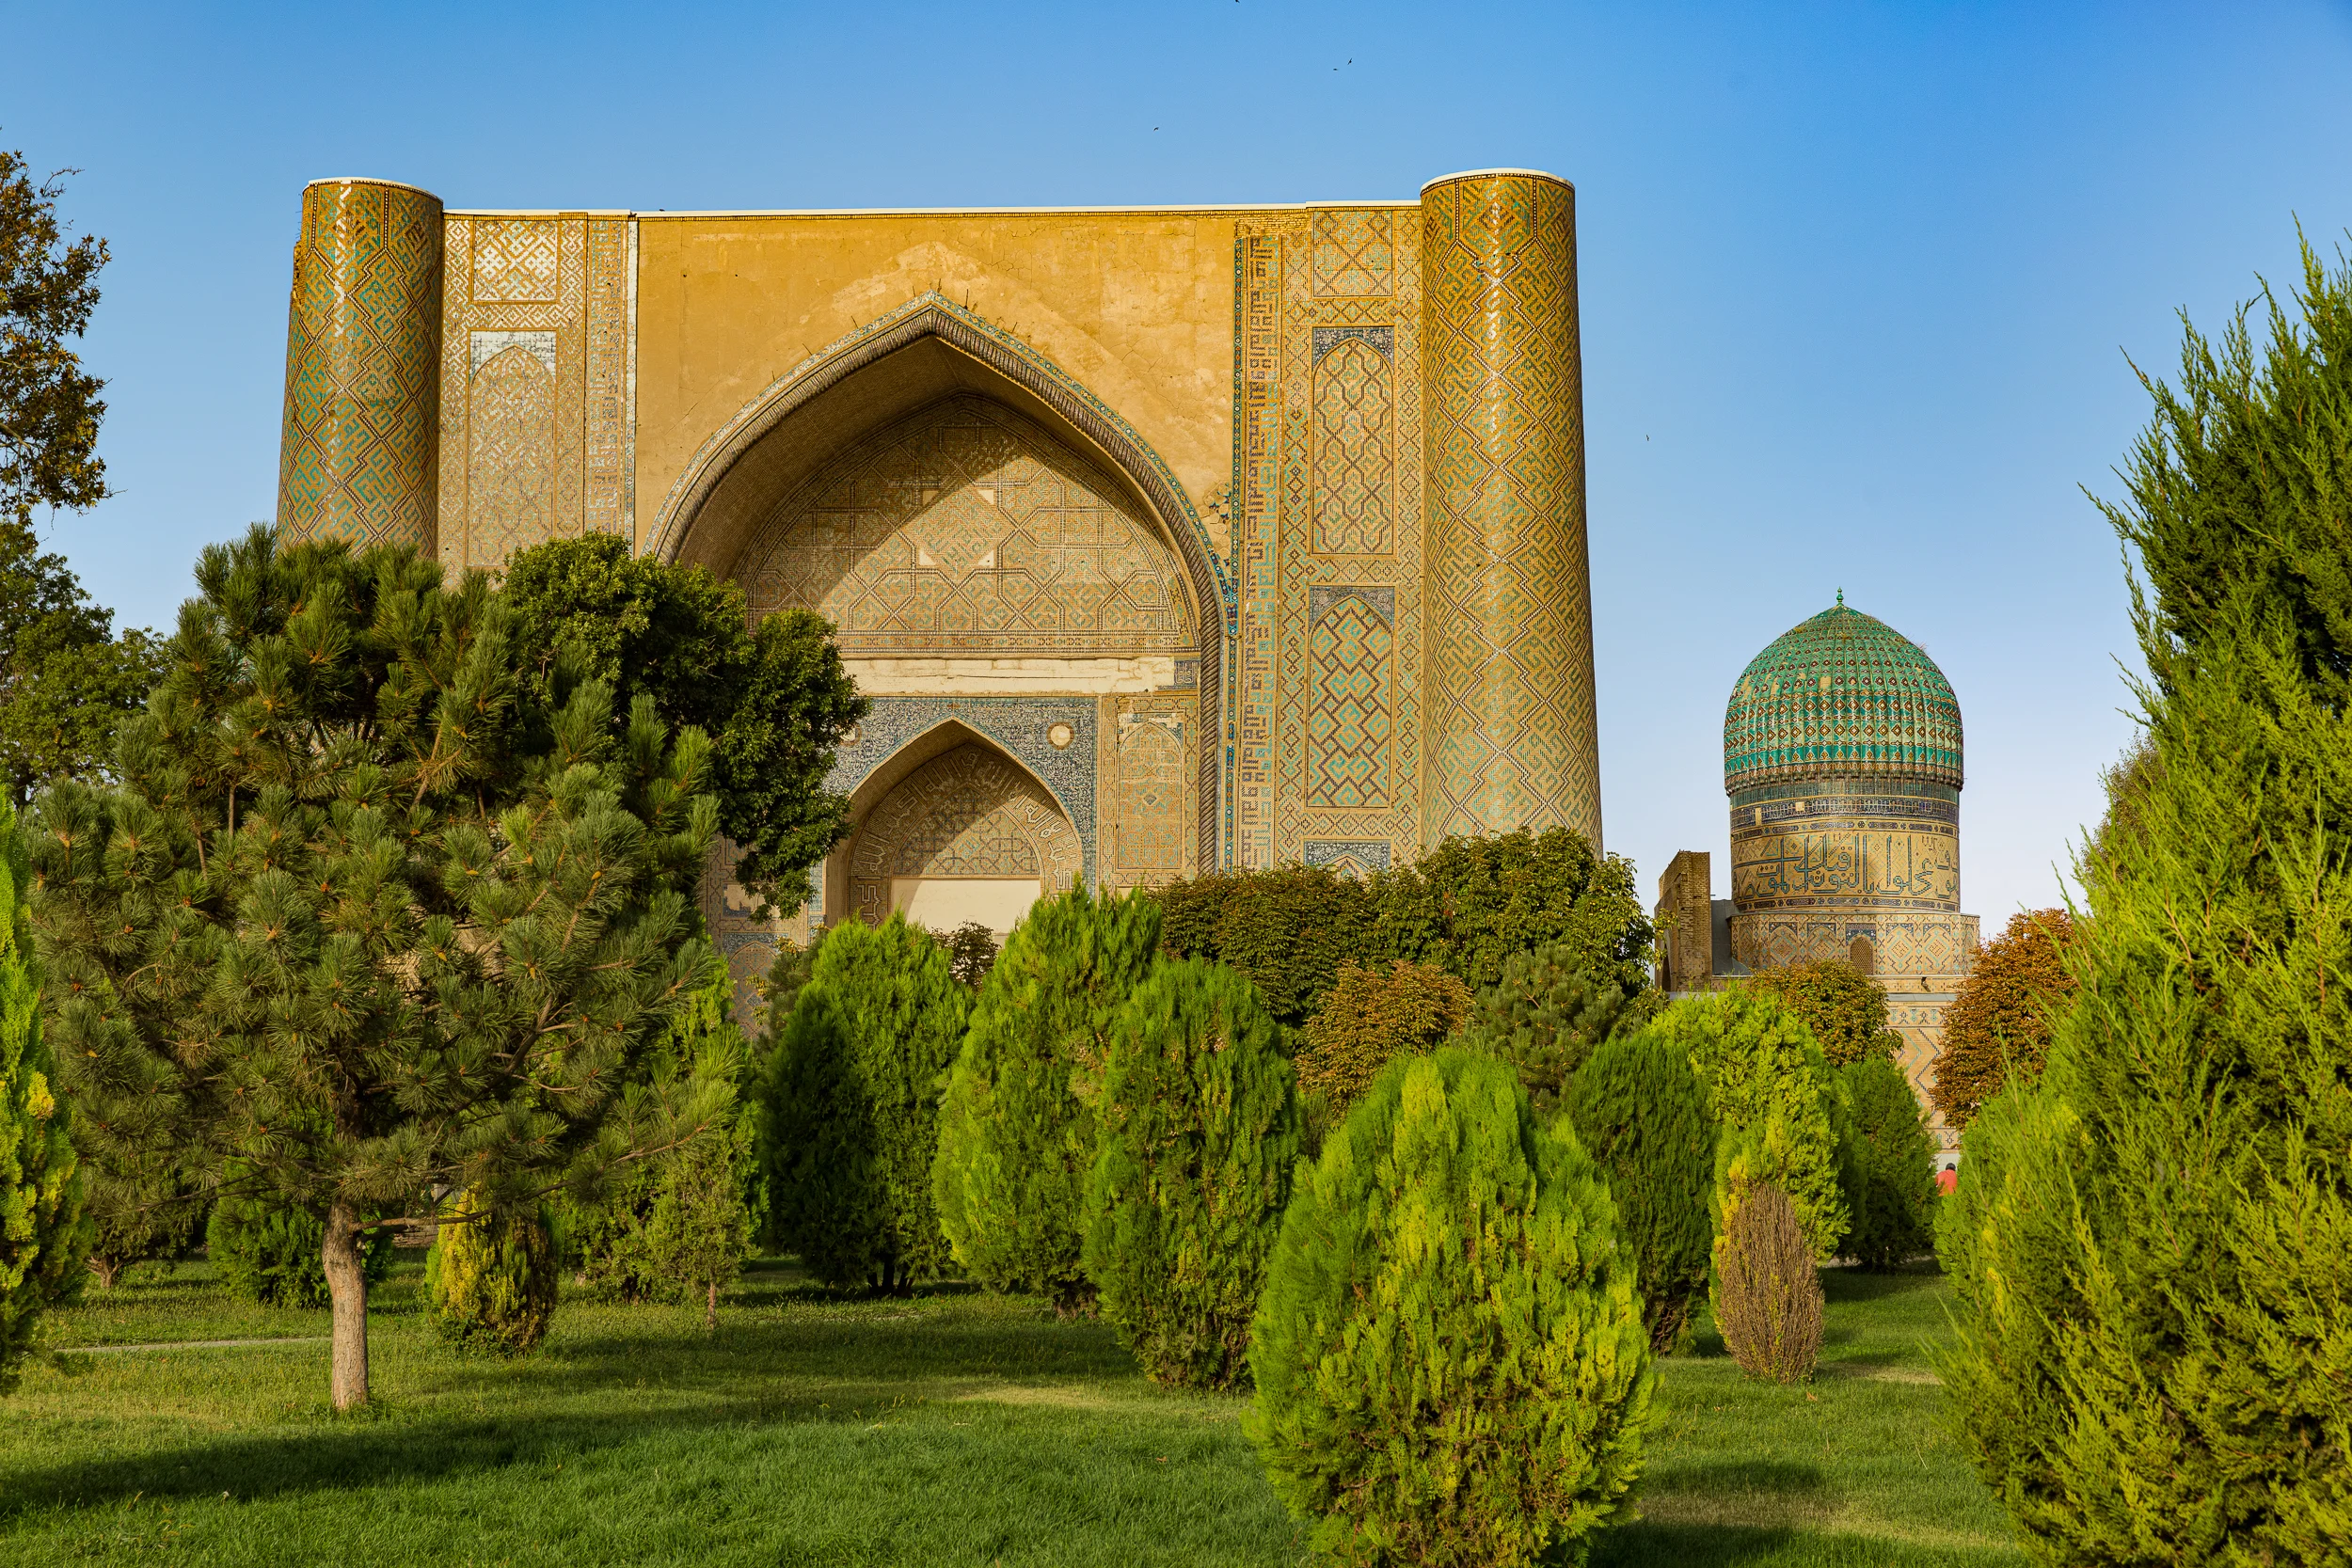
[(1946, 1179)]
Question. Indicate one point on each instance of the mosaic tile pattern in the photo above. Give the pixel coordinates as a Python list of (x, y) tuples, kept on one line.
[(1841, 694), (1317, 517), (970, 811), (1900, 944), (1512, 730), (362, 334), (966, 528), (527, 457), (1352, 654), (1348, 857), (1355, 513), (1147, 782)]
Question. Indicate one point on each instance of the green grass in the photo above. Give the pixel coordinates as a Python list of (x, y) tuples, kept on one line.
[(953, 1429)]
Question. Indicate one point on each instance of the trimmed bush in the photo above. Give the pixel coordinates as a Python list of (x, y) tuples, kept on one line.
[(853, 1095), (490, 1278), (1471, 903), (1889, 1163), (1450, 1357), (43, 1233), (1544, 1016), (1199, 1127), (1288, 928), (1638, 1109), (1773, 1101), (1369, 1018), (1999, 1024), (1017, 1129), (1844, 1009), (267, 1252), (1768, 1293)]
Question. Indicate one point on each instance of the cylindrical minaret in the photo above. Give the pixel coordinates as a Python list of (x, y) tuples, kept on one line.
[(1842, 760), (1511, 737), (363, 349)]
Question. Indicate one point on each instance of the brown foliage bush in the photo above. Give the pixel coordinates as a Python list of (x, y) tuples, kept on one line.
[(1371, 1017), (2003, 1013), (1767, 1301)]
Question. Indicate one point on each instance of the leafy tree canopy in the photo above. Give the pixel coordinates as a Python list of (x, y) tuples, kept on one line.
[(49, 405), (2000, 1020), (67, 683), (774, 700)]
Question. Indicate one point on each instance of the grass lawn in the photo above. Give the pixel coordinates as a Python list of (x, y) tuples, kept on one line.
[(952, 1429)]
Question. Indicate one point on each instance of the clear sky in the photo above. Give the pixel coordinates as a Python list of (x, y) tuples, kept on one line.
[(1858, 281)]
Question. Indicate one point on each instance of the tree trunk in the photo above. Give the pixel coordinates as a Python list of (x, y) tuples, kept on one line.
[(107, 1270), (347, 1284), (711, 1308)]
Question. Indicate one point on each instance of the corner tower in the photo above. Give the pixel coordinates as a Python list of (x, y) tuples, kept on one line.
[(1512, 740), (363, 348), (1842, 762)]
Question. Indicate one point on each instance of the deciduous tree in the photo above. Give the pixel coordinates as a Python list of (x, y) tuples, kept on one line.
[(1844, 1009), (49, 405), (1999, 1024)]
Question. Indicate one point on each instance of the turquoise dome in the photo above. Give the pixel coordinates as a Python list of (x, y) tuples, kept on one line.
[(1843, 694)]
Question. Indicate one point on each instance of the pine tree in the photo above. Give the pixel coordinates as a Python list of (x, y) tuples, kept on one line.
[(362, 919), (1544, 1016), (1017, 1130), (1450, 1359), (1890, 1165), (2152, 1246), (852, 1097), (1199, 1126), (1637, 1107), (43, 1232)]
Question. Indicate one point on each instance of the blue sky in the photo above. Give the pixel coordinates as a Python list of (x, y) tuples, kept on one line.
[(1858, 281)]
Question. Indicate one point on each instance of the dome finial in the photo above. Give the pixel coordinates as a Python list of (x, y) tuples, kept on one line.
[(1841, 595)]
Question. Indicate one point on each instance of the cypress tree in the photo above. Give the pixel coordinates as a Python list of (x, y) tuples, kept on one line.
[(1889, 1163), (1017, 1130), (1773, 1103), (1638, 1109), (852, 1097), (43, 1232), (363, 919), (491, 1276), (1450, 1356), (1199, 1126), (2152, 1246)]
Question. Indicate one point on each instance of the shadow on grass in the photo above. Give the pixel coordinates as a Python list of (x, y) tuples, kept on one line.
[(1639, 1546), (1776, 1476)]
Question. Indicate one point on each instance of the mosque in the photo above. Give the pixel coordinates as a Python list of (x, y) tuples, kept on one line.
[(1162, 539), (1842, 762)]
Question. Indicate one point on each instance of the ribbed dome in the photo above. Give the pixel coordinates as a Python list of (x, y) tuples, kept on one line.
[(1840, 694)]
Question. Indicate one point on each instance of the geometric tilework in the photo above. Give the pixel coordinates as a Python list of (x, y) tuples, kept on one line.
[(1354, 513), (1352, 671), (511, 487), (1512, 730), (1842, 694), (516, 261), (967, 528), (1352, 250), (362, 338), (971, 811)]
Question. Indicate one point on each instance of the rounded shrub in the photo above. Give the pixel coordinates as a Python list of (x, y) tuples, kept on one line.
[(491, 1277), (1450, 1357), (1017, 1128), (1198, 1127), (268, 1251), (1290, 929), (1637, 1110), (1544, 1016), (853, 1095), (1369, 1018), (1768, 1292), (1844, 1009), (1773, 1101), (1889, 1164)]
